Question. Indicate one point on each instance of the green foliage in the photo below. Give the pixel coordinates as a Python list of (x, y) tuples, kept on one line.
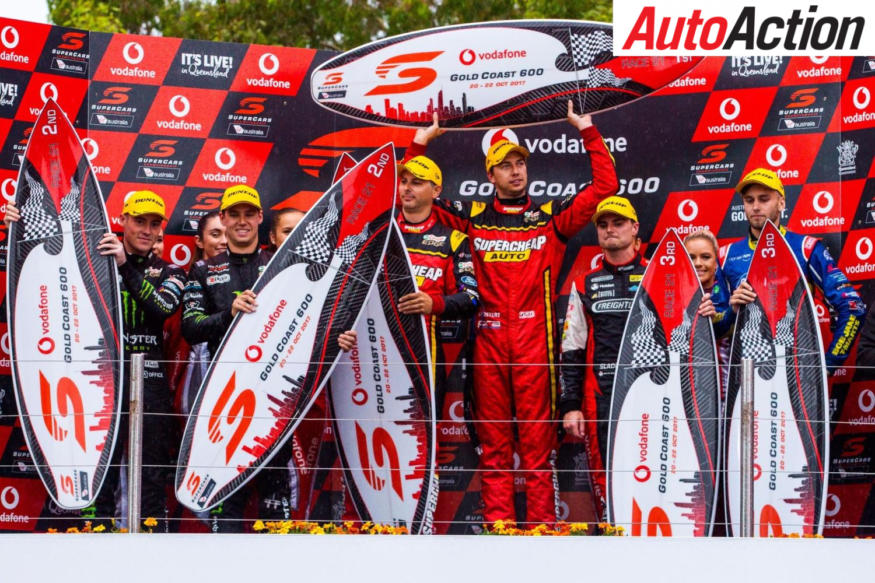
[(321, 24)]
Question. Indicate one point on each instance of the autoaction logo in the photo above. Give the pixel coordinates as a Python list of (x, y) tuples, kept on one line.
[(802, 112), (734, 27), (160, 163), (68, 56), (248, 119), (206, 65), (712, 168), (469, 57), (114, 108)]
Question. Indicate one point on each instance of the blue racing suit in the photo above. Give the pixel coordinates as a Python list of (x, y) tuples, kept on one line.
[(820, 269)]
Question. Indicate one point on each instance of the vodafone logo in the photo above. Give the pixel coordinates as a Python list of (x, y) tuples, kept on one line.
[(9, 498), (776, 155), (730, 108), (253, 353), (269, 64), (562, 510), (820, 311), (359, 397), (179, 106), (225, 158), (4, 343), (45, 345), (833, 505), (688, 210), (641, 473), (457, 411), (864, 248), (866, 400), (133, 53), (7, 189), (493, 136), (180, 255), (823, 202), (9, 37), (757, 472), (92, 148), (819, 60), (48, 90), (467, 57), (862, 97)]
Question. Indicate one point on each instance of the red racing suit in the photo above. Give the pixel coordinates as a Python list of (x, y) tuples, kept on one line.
[(518, 249), (444, 269)]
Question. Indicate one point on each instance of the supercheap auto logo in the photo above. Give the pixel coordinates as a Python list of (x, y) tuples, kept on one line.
[(737, 27)]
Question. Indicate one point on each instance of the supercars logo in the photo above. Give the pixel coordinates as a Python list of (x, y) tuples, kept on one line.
[(162, 148), (802, 98), (237, 416), (115, 95), (334, 78), (319, 152), (713, 154), (420, 77), (251, 106), (73, 41), (385, 456), (69, 403)]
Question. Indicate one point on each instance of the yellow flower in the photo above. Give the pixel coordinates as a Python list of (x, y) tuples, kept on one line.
[(150, 522), (99, 528), (258, 526)]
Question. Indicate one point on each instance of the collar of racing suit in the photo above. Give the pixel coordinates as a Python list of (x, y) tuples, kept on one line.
[(420, 227), (511, 206), (137, 260), (752, 241), (242, 258), (623, 267)]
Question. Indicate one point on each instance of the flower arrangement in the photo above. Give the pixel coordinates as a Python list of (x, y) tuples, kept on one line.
[(304, 527), (509, 528)]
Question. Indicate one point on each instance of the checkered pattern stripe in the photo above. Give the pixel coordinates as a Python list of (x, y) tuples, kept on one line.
[(69, 208), (351, 245), (784, 329), (603, 77), (647, 352), (37, 223), (680, 336), (586, 47), (753, 344), (315, 247)]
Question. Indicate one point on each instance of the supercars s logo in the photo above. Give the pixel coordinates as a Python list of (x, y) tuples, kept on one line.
[(802, 98), (334, 78), (421, 77), (73, 41), (251, 106), (115, 95), (385, 455), (162, 149), (240, 413), (713, 154), (207, 201), (69, 402)]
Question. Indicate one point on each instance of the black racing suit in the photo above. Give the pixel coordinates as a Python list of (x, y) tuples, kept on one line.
[(598, 308), (151, 291), (209, 292)]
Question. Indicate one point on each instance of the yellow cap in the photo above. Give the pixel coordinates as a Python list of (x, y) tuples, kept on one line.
[(423, 168), (240, 194), (617, 205), (144, 202), (767, 178), (499, 151)]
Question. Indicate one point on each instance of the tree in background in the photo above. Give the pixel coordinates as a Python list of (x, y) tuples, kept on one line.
[(321, 24)]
